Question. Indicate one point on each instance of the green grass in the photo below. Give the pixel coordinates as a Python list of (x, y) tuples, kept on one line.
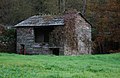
[(48, 66)]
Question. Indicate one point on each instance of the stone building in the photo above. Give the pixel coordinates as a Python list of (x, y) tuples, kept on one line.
[(69, 34)]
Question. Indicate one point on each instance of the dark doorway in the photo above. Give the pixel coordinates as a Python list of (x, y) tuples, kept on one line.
[(55, 51), (40, 35), (22, 50)]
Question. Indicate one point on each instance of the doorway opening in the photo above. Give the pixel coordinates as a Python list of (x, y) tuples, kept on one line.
[(55, 51), (22, 50), (42, 34)]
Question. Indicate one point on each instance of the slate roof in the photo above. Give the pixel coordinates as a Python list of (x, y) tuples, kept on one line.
[(41, 21)]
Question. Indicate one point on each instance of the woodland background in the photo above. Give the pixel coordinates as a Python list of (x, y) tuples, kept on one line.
[(104, 16)]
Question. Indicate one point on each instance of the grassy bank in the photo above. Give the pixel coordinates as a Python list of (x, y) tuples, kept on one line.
[(41, 66)]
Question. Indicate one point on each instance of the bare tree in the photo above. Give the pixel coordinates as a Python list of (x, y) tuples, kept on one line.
[(61, 4), (84, 7)]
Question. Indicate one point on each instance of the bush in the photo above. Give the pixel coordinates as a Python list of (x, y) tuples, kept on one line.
[(7, 41)]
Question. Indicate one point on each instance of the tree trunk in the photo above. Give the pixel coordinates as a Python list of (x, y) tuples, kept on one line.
[(84, 7), (61, 4)]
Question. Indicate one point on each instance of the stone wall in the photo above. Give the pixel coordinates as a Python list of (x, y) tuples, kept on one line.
[(80, 35), (57, 39), (25, 36), (83, 32), (71, 42)]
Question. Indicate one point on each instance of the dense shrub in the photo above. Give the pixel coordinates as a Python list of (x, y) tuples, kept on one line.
[(7, 41)]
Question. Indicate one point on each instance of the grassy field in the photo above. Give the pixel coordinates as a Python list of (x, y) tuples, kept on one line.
[(48, 66)]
